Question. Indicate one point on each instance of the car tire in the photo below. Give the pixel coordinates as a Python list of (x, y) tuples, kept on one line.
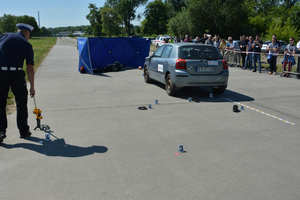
[(170, 86), (146, 75), (219, 90)]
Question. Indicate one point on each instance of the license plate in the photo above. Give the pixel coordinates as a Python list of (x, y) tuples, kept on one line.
[(212, 62), (206, 69)]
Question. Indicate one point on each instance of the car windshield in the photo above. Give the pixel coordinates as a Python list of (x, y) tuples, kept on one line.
[(199, 52), (268, 42), (283, 43)]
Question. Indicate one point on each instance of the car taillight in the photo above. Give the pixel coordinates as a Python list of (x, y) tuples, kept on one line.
[(180, 64), (225, 64)]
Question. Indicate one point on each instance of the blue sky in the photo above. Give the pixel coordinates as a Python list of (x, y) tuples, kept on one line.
[(54, 13)]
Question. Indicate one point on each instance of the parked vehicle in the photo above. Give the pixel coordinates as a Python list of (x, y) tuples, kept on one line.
[(179, 65), (159, 41), (282, 48)]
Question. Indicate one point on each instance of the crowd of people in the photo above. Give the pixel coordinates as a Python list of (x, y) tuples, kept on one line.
[(249, 50)]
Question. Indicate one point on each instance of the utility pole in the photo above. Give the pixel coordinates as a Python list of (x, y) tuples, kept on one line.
[(39, 19)]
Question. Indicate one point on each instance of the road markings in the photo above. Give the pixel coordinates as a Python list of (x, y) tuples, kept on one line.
[(288, 122)]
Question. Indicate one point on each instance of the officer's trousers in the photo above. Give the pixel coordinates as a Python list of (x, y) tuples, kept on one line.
[(15, 80)]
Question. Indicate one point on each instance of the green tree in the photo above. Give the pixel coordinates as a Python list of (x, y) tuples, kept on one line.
[(294, 15), (8, 23), (31, 21), (94, 18), (110, 20), (127, 9), (175, 6), (45, 32), (226, 18), (179, 25), (88, 31), (156, 18), (284, 31)]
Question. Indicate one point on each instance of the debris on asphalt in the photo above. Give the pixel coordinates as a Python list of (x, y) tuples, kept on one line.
[(235, 108), (142, 108)]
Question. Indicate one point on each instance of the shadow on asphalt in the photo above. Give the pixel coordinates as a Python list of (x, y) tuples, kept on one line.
[(203, 94), (57, 147), (105, 74)]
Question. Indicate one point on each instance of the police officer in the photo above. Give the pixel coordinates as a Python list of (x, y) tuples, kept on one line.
[(14, 49)]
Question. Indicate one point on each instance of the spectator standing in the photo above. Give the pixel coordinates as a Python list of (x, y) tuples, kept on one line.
[(273, 49), (298, 45), (186, 38), (249, 52), (171, 40), (290, 49), (243, 46), (203, 40), (229, 45), (257, 44), (197, 40), (209, 40), (229, 48), (237, 55), (191, 39), (176, 39), (180, 39), (223, 46), (217, 42), (275, 36)]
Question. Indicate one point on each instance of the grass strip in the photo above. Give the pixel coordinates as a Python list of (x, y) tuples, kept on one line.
[(41, 47)]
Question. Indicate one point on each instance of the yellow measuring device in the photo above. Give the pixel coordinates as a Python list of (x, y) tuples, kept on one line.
[(38, 113)]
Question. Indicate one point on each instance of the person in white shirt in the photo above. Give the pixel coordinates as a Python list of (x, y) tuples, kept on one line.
[(298, 45)]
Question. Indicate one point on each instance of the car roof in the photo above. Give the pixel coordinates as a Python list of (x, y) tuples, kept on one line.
[(281, 41), (179, 44)]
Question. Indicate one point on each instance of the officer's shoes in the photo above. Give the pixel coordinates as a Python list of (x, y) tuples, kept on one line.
[(25, 135), (2, 136)]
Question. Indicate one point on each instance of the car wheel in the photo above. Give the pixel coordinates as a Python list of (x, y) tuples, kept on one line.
[(219, 90), (146, 75), (170, 86)]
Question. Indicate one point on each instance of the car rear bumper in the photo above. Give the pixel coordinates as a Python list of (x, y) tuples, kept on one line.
[(182, 78)]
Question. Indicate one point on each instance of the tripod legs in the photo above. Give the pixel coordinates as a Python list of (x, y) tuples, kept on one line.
[(38, 124)]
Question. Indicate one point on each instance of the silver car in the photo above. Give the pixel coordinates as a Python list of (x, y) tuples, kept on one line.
[(282, 48), (179, 65)]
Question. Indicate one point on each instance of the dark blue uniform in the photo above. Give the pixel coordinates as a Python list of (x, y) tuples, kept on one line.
[(14, 49)]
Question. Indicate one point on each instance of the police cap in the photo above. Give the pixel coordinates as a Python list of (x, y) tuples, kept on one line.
[(25, 26)]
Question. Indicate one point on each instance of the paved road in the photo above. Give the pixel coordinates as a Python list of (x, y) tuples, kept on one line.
[(103, 147)]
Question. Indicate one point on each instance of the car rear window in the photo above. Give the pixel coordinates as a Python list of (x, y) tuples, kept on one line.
[(199, 52)]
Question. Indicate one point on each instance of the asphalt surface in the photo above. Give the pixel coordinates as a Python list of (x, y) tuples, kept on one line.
[(103, 147)]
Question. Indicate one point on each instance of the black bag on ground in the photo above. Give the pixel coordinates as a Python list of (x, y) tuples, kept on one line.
[(118, 66), (109, 68)]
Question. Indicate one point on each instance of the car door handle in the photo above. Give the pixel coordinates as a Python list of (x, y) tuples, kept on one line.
[(166, 61)]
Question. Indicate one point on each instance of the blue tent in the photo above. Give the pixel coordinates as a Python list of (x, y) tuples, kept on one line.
[(96, 53)]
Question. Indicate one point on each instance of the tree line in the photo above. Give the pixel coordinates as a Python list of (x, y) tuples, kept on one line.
[(8, 24), (181, 17), (196, 17)]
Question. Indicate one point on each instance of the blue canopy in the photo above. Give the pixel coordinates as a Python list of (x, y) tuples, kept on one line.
[(96, 53)]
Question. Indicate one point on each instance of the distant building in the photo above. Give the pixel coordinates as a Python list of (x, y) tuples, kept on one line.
[(78, 33), (66, 34)]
